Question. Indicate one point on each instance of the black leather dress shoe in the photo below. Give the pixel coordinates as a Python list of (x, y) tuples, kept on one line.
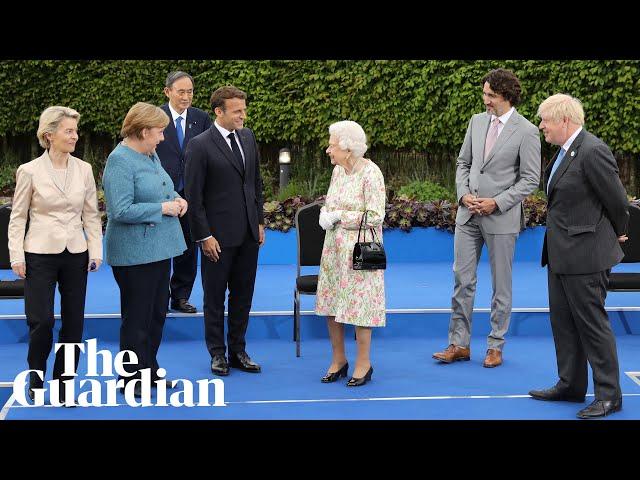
[(357, 382), (600, 408), (335, 376), (219, 365), (242, 361), (554, 394), (183, 306), (34, 382)]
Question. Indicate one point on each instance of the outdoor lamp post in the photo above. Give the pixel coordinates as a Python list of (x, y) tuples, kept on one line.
[(284, 159)]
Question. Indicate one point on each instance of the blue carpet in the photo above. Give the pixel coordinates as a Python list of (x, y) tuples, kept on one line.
[(403, 370), (407, 382), (407, 286)]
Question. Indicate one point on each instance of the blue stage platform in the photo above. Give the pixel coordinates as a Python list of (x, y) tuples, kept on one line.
[(406, 384)]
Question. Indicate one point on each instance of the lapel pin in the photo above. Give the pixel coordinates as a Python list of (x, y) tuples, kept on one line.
[(573, 154)]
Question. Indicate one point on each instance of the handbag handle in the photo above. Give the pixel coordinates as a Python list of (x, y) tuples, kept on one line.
[(363, 220)]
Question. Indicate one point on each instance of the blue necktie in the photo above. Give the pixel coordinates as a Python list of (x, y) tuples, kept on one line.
[(180, 142), (556, 164), (179, 131)]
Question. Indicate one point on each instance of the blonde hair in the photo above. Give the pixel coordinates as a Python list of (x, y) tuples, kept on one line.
[(140, 116), (559, 106), (350, 137), (50, 120)]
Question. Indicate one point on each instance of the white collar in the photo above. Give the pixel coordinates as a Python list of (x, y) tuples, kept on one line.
[(570, 140), (175, 114)]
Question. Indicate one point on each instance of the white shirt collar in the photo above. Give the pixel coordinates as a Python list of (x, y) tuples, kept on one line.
[(570, 140), (223, 131), (503, 118), (175, 114)]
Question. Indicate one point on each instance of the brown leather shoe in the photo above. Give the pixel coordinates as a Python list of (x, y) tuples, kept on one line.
[(453, 353), (493, 358)]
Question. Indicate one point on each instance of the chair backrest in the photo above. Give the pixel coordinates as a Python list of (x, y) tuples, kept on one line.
[(310, 235), (11, 288), (631, 247), (5, 213)]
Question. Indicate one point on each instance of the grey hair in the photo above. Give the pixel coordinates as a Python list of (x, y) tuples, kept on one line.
[(173, 77), (350, 137), (49, 121)]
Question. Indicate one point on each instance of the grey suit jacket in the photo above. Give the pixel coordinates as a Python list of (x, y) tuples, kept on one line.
[(510, 173), (587, 209)]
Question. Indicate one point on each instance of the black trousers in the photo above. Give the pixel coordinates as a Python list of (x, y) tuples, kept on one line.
[(144, 298), (185, 267), (582, 333), (69, 271), (236, 270)]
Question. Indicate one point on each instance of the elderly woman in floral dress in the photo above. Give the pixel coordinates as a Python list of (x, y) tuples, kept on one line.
[(345, 295)]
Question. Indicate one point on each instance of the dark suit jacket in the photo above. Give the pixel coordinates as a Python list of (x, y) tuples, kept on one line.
[(223, 200), (169, 151), (587, 209)]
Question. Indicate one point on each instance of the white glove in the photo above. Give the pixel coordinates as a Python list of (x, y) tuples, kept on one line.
[(328, 219), (324, 221)]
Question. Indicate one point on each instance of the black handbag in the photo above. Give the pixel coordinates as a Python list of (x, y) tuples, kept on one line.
[(368, 255)]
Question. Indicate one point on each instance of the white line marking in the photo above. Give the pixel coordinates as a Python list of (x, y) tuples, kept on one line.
[(635, 376), (6, 407), (288, 313), (374, 399)]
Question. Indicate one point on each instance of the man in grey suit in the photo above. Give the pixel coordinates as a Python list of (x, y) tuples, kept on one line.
[(498, 167), (587, 215)]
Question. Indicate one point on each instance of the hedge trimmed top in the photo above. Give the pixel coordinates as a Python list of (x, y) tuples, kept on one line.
[(417, 105)]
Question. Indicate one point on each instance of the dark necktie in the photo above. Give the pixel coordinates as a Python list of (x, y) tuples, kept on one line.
[(236, 151)]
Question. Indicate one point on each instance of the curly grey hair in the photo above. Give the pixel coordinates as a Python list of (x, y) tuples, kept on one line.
[(350, 137)]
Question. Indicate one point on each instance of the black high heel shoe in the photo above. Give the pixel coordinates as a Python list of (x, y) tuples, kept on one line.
[(356, 382), (335, 376)]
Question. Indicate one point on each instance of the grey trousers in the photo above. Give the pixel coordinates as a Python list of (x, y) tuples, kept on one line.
[(468, 242)]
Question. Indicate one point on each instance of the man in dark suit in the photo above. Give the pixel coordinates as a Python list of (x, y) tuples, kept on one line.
[(186, 122), (587, 215), (224, 190)]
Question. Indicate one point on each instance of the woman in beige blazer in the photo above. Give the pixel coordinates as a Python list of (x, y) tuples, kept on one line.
[(55, 236)]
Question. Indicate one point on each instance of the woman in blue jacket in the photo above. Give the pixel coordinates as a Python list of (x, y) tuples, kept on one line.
[(143, 234)]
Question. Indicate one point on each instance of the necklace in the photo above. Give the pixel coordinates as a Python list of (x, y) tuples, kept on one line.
[(350, 172)]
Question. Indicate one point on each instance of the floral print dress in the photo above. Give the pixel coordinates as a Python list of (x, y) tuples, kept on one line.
[(353, 296)]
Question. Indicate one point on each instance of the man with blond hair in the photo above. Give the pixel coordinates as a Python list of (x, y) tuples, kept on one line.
[(587, 215)]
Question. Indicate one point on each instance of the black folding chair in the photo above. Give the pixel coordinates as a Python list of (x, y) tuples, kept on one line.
[(8, 288), (628, 282), (310, 238)]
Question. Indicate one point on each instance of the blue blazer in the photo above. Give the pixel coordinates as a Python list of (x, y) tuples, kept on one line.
[(169, 151), (135, 185)]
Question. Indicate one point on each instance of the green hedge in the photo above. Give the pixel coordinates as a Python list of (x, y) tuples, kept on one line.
[(416, 105)]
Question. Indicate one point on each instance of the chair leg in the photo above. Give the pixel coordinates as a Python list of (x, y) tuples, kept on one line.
[(295, 311), (296, 321)]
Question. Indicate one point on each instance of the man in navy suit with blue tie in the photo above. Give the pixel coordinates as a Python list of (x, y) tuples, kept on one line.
[(186, 122)]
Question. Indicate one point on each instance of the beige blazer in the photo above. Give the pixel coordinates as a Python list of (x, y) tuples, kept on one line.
[(59, 216)]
